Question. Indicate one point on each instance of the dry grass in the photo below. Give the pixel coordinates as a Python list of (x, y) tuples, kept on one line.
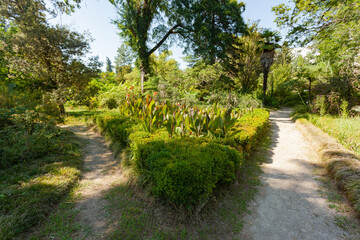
[(342, 164)]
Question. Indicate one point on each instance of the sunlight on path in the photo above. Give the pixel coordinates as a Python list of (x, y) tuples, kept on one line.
[(289, 205), (101, 172)]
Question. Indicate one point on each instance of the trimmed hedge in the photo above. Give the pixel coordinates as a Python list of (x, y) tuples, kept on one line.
[(253, 126), (185, 171)]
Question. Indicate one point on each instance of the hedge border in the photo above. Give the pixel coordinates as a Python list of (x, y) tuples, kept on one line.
[(342, 164), (253, 126)]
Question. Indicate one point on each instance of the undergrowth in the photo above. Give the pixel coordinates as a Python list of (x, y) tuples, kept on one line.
[(39, 164)]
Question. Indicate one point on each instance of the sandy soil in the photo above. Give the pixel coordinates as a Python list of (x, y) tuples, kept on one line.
[(101, 172), (288, 205)]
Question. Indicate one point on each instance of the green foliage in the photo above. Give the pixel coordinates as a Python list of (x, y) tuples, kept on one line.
[(320, 105), (109, 67), (38, 164), (332, 29), (345, 130), (250, 127), (186, 171), (156, 21), (233, 100), (244, 60), (179, 119), (40, 58), (25, 137), (117, 127), (344, 109)]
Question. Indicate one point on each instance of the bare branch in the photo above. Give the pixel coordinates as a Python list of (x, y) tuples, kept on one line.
[(171, 31)]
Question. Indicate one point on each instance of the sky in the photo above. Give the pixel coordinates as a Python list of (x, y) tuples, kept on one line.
[(95, 17)]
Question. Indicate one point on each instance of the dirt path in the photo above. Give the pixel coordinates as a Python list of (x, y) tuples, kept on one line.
[(289, 205), (101, 172)]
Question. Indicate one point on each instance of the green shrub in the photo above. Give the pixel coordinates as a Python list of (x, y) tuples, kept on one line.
[(116, 126), (251, 126), (320, 105), (27, 136), (186, 171), (344, 109)]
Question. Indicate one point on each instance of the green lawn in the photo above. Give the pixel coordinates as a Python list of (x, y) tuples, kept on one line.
[(345, 130)]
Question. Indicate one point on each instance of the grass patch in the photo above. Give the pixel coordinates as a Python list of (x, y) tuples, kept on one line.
[(30, 189), (345, 216), (345, 130), (62, 224), (342, 165)]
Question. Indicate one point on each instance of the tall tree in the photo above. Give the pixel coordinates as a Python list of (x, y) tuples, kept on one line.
[(244, 60), (109, 67), (206, 26), (311, 20), (123, 62), (270, 42)]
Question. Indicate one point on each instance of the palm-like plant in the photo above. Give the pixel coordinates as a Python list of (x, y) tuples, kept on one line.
[(270, 41)]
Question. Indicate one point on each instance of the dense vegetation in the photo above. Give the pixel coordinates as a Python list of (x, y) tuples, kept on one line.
[(187, 131), (187, 152), (38, 164)]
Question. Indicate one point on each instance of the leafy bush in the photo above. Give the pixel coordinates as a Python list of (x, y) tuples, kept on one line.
[(182, 169), (234, 100), (344, 109), (320, 105), (26, 136), (117, 128), (181, 119), (186, 171)]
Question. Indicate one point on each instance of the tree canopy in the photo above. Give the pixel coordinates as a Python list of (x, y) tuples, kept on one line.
[(205, 27), (39, 57)]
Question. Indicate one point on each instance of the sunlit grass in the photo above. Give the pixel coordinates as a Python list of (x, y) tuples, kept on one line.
[(345, 130), (30, 190)]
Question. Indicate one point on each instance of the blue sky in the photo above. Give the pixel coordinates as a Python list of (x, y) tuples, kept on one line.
[(95, 17)]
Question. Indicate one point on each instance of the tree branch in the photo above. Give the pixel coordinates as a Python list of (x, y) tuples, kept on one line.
[(171, 31), (132, 31)]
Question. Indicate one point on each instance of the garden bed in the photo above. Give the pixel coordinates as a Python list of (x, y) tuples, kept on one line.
[(184, 170)]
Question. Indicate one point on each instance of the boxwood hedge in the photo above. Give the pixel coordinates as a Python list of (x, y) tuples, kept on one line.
[(185, 171)]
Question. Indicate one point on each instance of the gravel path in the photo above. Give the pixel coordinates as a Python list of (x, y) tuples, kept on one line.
[(289, 205), (101, 172)]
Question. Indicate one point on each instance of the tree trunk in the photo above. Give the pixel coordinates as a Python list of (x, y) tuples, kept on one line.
[(143, 74), (144, 69), (266, 72), (62, 110)]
